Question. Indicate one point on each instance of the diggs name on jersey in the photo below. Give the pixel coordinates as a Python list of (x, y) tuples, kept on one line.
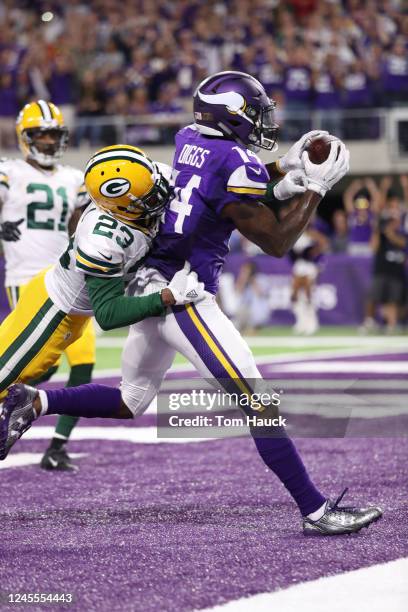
[(193, 155)]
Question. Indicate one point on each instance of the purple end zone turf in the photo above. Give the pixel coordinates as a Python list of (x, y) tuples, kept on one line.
[(177, 527), (186, 526)]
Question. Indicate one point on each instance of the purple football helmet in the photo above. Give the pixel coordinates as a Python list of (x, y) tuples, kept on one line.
[(235, 105)]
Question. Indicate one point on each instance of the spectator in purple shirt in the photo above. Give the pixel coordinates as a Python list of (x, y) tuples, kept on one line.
[(91, 105), (327, 95), (167, 101), (297, 85), (62, 86), (270, 70), (362, 202), (357, 92), (395, 74), (357, 96), (9, 108), (286, 45)]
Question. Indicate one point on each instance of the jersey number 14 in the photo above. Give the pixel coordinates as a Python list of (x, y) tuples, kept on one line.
[(180, 204)]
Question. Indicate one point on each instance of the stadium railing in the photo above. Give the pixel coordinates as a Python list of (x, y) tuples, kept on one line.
[(159, 128)]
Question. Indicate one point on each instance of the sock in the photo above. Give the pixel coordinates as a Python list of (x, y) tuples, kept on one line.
[(281, 456), (315, 516), (65, 425), (80, 375), (88, 401), (44, 402)]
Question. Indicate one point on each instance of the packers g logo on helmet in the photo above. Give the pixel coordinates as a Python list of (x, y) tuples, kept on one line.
[(39, 117), (124, 182), (114, 188)]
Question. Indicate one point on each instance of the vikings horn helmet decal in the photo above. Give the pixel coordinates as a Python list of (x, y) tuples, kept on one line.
[(235, 105)]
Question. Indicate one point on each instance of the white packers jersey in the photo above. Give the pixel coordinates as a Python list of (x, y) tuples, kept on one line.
[(45, 200), (101, 246)]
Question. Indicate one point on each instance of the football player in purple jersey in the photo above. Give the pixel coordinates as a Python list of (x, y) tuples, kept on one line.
[(219, 183)]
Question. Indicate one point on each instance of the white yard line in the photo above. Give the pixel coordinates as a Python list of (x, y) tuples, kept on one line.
[(312, 385), (23, 459), (370, 589), (137, 435), (295, 342), (260, 360), (357, 367)]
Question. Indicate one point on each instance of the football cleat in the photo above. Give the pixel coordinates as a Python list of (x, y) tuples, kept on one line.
[(57, 459), (341, 520), (17, 415)]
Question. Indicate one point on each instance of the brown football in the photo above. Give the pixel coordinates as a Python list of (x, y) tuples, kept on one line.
[(319, 150)]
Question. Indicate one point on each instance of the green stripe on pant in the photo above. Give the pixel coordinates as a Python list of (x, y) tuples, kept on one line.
[(33, 345)]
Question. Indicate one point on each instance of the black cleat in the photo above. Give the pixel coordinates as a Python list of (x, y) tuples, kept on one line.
[(16, 416), (58, 459), (341, 520)]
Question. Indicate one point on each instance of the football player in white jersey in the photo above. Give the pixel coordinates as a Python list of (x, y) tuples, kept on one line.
[(41, 202), (89, 277), (111, 238)]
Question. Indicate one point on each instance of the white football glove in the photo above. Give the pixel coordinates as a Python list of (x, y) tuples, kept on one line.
[(322, 177), (293, 183), (292, 160), (185, 286)]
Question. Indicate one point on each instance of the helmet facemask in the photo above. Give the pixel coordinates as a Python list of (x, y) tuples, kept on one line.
[(265, 130), (45, 154)]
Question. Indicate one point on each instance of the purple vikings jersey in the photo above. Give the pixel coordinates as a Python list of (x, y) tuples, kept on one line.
[(361, 226), (208, 174)]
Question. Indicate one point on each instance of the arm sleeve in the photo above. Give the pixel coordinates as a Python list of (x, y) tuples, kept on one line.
[(269, 197), (113, 309)]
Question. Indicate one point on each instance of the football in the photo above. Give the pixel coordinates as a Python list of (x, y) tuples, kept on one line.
[(319, 150)]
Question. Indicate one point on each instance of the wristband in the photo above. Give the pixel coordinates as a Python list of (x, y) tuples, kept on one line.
[(269, 195)]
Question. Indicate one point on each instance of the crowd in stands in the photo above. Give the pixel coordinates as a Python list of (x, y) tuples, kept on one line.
[(367, 205), (136, 57), (103, 57), (372, 223)]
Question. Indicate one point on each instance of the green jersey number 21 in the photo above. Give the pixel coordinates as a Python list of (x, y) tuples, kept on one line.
[(47, 201)]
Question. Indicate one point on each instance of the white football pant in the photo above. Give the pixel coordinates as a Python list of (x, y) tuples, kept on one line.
[(201, 332)]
